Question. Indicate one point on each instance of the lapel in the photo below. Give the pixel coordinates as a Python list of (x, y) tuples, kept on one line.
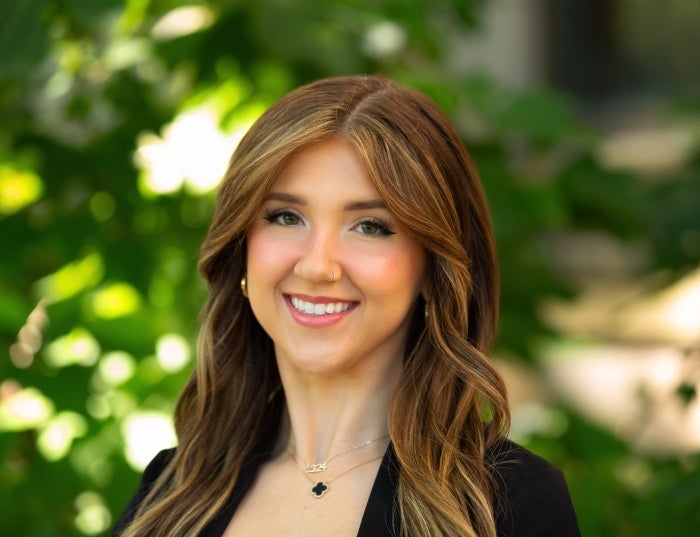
[(378, 520)]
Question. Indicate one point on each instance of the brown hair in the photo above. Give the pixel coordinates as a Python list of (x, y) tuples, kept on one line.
[(450, 405)]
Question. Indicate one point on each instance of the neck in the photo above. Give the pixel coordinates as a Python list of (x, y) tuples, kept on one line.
[(329, 416)]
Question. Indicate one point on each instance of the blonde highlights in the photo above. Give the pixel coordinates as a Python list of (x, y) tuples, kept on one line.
[(232, 405)]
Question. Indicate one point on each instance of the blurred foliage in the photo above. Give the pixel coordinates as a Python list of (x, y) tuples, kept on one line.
[(115, 116)]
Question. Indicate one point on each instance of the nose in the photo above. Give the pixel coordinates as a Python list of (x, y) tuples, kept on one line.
[(318, 261)]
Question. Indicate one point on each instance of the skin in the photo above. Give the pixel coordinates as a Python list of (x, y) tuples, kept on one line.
[(308, 231), (323, 218), (335, 396)]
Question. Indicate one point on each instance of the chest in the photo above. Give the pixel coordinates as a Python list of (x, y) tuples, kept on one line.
[(281, 503)]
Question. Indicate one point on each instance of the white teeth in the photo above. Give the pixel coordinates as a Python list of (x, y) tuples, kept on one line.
[(319, 309)]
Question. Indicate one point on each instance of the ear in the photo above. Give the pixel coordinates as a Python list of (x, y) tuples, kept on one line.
[(426, 290), (426, 283)]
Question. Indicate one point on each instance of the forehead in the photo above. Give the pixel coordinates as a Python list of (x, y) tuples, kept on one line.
[(329, 168)]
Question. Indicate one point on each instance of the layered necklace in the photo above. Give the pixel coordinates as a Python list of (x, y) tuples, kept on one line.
[(320, 487)]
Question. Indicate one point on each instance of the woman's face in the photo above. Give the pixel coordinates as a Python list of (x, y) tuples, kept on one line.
[(323, 220)]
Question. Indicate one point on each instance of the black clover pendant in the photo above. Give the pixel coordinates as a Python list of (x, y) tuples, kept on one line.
[(319, 489)]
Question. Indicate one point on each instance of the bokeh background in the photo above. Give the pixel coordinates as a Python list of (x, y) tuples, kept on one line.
[(117, 119)]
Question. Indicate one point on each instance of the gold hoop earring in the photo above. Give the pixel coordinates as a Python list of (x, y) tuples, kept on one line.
[(426, 313), (244, 287)]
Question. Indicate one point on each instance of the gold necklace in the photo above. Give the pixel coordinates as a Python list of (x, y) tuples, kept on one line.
[(322, 466), (320, 488)]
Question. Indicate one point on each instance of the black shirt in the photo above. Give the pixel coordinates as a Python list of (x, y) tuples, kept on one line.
[(532, 499)]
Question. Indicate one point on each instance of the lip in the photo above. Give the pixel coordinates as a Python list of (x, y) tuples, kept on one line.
[(310, 320)]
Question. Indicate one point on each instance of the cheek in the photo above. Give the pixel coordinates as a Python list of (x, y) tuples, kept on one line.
[(267, 263), (395, 271), (265, 254), (412, 269)]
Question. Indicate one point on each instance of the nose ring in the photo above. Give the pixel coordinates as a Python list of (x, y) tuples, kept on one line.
[(332, 278)]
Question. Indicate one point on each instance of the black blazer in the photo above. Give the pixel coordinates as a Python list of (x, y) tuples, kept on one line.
[(532, 497)]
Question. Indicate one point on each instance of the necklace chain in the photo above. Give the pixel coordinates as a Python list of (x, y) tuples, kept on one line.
[(321, 487), (322, 466)]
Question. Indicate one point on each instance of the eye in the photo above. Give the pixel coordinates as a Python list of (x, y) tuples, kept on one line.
[(373, 227), (283, 217)]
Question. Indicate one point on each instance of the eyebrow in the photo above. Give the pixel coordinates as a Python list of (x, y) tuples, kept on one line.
[(289, 198), (352, 206)]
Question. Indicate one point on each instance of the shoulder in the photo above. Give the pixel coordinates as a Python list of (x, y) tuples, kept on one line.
[(157, 465), (531, 495), (154, 469), (514, 465)]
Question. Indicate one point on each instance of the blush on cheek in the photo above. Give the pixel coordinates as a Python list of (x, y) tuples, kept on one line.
[(263, 253)]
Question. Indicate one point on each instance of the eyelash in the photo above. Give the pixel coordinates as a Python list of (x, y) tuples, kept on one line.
[(383, 227), (272, 216)]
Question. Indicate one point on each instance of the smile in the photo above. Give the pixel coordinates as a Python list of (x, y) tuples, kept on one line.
[(310, 308)]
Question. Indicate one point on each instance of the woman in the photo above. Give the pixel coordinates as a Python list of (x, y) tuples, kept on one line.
[(342, 384)]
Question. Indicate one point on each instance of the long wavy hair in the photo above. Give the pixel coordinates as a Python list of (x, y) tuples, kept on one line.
[(450, 405)]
